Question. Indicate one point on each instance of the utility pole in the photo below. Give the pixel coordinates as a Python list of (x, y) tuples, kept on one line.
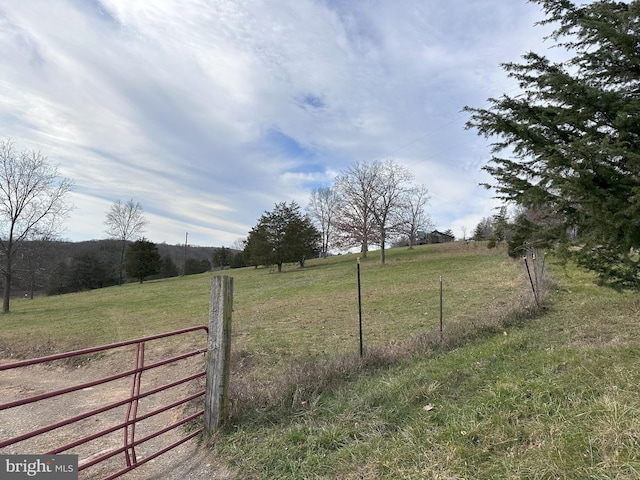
[(184, 255)]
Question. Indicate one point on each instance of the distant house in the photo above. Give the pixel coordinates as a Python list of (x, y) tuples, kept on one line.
[(439, 237), (435, 236)]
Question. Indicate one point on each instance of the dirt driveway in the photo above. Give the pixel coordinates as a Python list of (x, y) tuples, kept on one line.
[(188, 461)]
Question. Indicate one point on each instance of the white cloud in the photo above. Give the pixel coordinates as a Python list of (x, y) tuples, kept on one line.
[(208, 113)]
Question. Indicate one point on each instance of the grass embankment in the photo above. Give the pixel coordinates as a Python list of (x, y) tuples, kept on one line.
[(557, 396), (509, 396)]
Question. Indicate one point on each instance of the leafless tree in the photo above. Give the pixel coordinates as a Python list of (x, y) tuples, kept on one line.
[(355, 188), (390, 187), (32, 204), (322, 209), (125, 222), (370, 197), (238, 244), (412, 216)]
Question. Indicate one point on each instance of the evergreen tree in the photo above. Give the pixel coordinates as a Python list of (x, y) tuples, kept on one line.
[(90, 272), (238, 261), (302, 238), (483, 230), (501, 226), (142, 260), (282, 235), (168, 267), (574, 135), (61, 281), (221, 257), (258, 250), (193, 266)]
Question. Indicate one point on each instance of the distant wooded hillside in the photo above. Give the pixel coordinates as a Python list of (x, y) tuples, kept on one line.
[(54, 267)]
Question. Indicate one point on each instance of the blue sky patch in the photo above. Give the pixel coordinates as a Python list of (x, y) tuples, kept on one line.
[(287, 145), (313, 101)]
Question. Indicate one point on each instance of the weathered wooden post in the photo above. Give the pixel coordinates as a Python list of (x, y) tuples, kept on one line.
[(216, 403)]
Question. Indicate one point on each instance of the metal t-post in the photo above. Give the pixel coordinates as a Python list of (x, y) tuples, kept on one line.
[(360, 310)]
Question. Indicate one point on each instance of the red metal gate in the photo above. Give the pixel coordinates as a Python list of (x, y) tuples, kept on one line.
[(132, 417)]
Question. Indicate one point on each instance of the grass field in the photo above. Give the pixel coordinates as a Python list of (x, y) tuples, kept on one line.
[(513, 393), (301, 312)]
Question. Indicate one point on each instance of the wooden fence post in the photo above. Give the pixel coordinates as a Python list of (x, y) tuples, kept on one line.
[(216, 403)]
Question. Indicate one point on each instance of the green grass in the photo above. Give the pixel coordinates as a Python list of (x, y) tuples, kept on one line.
[(97, 317), (552, 397), (301, 312), (512, 393)]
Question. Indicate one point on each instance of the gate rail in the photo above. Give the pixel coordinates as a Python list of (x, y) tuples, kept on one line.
[(131, 418)]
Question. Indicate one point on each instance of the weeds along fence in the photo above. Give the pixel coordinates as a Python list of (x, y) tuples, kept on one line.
[(275, 356), (534, 262)]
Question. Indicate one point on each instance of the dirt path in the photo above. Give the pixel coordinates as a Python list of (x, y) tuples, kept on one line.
[(188, 461)]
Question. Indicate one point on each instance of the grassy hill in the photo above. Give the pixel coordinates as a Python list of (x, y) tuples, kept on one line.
[(512, 393)]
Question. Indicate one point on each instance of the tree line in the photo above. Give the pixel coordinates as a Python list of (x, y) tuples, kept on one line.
[(370, 203), (58, 267)]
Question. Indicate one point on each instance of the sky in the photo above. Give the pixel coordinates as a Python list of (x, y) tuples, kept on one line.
[(209, 112)]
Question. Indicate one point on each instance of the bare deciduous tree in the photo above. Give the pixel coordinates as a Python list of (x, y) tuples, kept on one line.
[(124, 222), (322, 209), (412, 216), (32, 204), (371, 195), (390, 186), (355, 190)]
